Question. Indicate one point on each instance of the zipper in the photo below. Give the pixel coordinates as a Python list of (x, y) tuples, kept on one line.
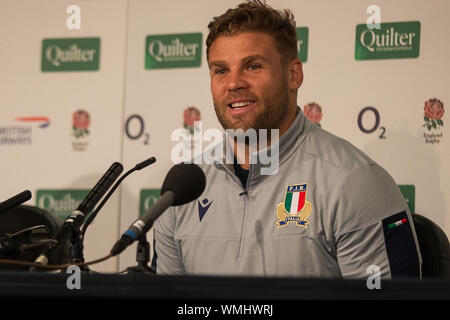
[(244, 224), (245, 194)]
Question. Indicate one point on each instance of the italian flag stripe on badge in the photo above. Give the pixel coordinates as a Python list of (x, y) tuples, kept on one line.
[(396, 224)]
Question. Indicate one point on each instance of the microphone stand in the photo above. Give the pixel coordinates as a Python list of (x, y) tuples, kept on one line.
[(76, 250), (142, 257), (77, 239), (75, 220)]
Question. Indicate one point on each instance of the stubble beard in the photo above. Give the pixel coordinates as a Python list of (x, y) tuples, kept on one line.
[(272, 111)]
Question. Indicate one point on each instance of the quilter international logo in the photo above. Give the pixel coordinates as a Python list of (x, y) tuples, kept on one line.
[(60, 202), (147, 198), (395, 40), (409, 193), (173, 51), (302, 43), (20, 132), (72, 54)]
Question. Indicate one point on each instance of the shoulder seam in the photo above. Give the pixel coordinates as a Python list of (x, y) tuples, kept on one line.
[(358, 228), (329, 162), (347, 170)]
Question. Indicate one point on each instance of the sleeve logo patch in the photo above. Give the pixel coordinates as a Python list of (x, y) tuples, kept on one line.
[(397, 223), (295, 208)]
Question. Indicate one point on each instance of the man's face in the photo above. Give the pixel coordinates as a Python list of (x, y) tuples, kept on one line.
[(249, 84)]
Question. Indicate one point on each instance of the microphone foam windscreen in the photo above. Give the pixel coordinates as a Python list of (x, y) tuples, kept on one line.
[(186, 180)]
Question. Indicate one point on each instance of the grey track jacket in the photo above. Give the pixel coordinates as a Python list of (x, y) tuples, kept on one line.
[(330, 211)]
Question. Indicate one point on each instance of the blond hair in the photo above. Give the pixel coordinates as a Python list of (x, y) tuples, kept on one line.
[(256, 16)]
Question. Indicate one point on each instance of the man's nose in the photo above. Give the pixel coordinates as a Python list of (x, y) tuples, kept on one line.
[(236, 81)]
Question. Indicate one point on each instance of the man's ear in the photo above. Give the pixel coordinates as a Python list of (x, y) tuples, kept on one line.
[(295, 74)]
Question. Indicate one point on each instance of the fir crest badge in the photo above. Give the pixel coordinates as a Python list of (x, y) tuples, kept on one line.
[(295, 207)]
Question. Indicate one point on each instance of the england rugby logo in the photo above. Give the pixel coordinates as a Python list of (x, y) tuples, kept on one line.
[(313, 112), (433, 112)]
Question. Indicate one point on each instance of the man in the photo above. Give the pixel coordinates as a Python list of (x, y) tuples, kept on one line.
[(327, 210)]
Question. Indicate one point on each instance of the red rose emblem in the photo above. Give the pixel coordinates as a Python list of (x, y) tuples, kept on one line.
[(191, 115), (434, 109), (433, 112), (81, 120), (313, 112)]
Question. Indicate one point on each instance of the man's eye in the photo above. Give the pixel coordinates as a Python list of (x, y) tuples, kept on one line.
[(219, 71), (254, 67)]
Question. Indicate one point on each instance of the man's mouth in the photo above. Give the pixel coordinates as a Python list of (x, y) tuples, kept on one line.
[(240, 104)]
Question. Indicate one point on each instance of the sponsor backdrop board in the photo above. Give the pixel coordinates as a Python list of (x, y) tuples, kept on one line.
[(61, 104), (75, 100)]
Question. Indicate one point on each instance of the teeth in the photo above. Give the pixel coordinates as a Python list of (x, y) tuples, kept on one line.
[(241, 104)]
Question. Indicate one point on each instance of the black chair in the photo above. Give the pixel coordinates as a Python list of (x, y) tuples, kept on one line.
[(434, 248), (24, 232)]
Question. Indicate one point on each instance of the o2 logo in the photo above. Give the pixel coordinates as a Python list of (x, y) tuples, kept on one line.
[(365, 127), (135, 129)]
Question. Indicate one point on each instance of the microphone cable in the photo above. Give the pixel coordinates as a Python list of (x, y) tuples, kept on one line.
[(53, 266), (83, 229)]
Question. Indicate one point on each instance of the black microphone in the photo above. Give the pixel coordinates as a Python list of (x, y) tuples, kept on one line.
[(184, 183), (76, 219), (77, 241), (139, 166), (15, 201)]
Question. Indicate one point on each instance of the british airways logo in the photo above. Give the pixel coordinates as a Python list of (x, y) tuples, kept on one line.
[(203, 207), (42, 121)]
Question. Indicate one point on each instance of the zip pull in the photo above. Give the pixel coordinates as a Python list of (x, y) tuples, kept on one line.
[(243, 192)]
